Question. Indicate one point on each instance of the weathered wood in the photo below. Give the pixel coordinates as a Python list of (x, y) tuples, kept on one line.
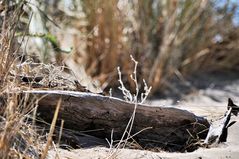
[(172, 128), (218, 130)]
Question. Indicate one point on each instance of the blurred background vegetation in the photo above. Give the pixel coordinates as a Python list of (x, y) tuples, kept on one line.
[(171, 39)]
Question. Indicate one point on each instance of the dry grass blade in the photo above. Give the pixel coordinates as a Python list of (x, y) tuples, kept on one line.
[(52, 128), (60, 134)]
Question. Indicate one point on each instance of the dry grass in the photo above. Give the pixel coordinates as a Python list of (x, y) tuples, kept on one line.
[(18, 138)]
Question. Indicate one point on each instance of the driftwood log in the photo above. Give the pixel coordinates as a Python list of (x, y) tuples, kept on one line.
[(168, 128)]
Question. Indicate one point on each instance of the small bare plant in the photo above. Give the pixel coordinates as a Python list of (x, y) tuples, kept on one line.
[(133, 98), (128, 96)]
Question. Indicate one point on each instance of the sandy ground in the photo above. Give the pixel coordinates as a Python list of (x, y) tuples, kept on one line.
[(209, 102)]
